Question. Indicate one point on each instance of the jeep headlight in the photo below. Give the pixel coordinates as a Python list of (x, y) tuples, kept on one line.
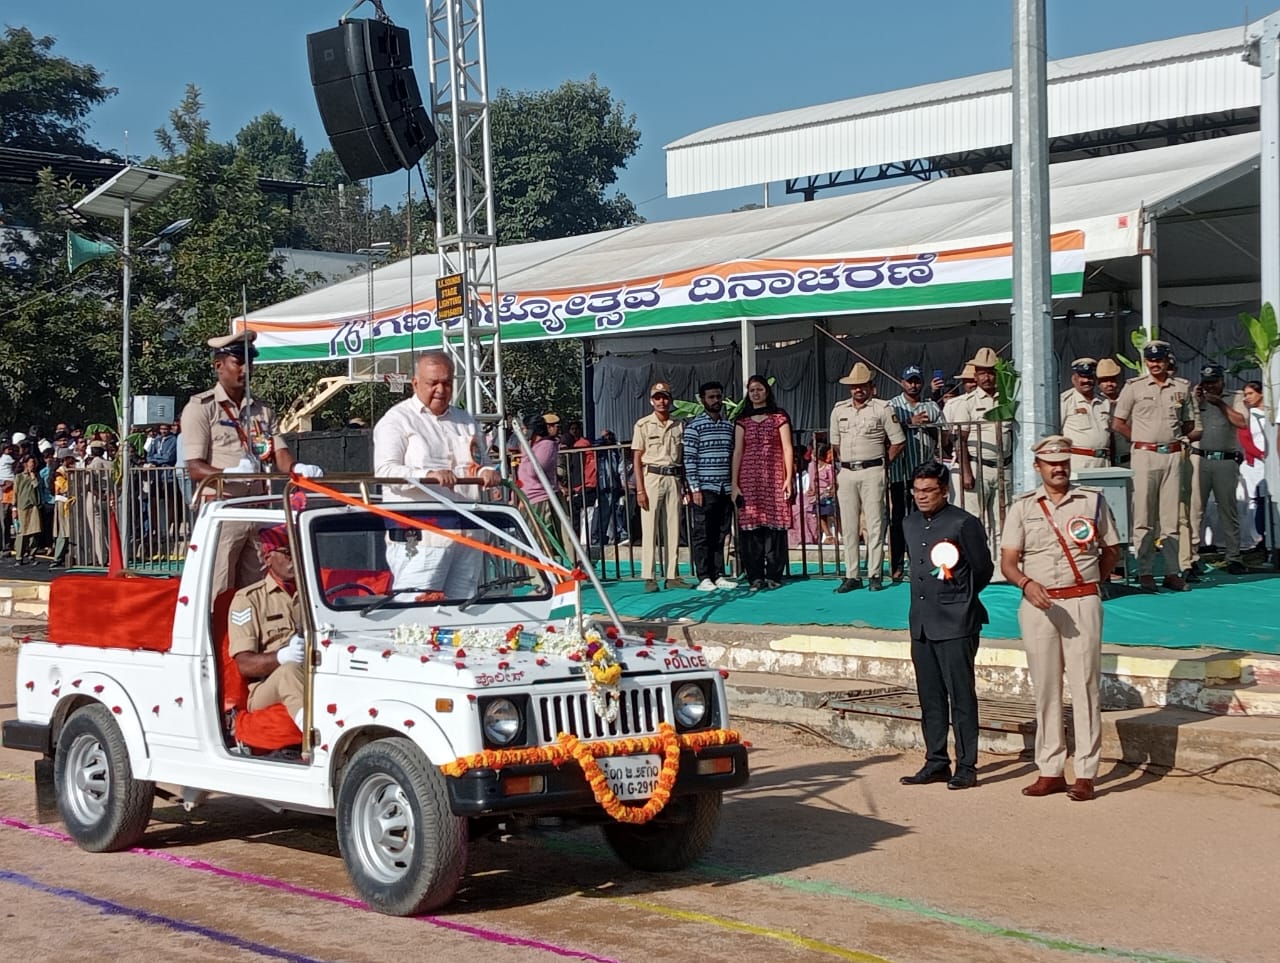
[(690, 705), (501, 722)]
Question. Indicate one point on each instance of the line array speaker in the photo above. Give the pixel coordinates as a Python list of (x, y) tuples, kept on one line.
[(362, 74)]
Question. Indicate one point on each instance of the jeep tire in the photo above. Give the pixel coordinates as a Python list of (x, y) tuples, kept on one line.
[(404, 849), (104, 808), (672, 840)]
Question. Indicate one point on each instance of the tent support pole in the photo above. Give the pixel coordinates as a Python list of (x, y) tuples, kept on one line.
[(1150, 280), (1266, 55), (747, 335)]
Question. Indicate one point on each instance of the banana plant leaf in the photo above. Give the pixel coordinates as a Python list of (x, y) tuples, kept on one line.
[(1008, 384)]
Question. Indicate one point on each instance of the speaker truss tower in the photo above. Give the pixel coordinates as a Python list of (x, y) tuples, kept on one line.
[(466, 233)]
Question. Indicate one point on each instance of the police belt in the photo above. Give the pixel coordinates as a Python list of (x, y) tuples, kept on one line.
[(1073, 591), (859, 465), (1219, 455), (1166, 448), (1091, 452), (664, 470)]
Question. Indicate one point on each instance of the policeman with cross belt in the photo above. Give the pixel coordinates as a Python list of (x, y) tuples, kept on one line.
[(1058, 542)]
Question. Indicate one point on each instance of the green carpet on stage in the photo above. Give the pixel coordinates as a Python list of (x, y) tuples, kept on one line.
[(1224, 611)]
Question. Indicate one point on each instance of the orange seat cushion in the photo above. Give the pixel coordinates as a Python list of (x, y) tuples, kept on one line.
[(268, 728), (377, 582)]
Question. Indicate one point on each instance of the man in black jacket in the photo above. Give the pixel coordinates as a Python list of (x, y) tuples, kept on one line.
[(950, 564)]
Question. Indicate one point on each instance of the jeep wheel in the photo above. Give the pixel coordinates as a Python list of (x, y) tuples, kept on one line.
[(405, 850), (104, 808), (673, 839)]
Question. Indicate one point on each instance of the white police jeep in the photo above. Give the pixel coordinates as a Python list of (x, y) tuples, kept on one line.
[(450, 683)]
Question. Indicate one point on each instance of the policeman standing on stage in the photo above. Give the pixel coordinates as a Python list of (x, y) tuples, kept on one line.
[(1218, 452), (1057, 545), (657, 451), (865, 437), (1154, 413), (1086, 418), (225, 431), (1109, 378), (985, 453)]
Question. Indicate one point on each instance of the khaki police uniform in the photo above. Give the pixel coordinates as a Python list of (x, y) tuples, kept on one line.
[(217, 430), (1067, 637), (1155, 413), (662, 455), (990, 462), (263, 617), (861, 438), (1217, 454), (1087, 422)]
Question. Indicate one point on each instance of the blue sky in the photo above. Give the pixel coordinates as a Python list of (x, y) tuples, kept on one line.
[(679, 65)]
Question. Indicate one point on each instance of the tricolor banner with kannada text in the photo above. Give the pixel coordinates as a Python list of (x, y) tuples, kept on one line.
[(768, 289)]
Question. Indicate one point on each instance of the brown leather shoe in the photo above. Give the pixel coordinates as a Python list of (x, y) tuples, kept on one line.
[(1081, 790), (1045, 786), (1176, 583), (1147, 583)]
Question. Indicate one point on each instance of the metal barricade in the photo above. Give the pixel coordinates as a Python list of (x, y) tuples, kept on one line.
[(160, 518)]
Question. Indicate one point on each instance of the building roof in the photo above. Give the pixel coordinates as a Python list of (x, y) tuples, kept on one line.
[(1200, 75)]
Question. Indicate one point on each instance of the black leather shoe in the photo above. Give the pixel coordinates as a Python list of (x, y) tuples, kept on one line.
[(848, 585), (963, 780), (1237, 568), (875, 583), (926, 776), (1191, 575)]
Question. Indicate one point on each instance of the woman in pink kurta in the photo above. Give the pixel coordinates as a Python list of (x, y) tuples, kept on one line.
[(763, 482)]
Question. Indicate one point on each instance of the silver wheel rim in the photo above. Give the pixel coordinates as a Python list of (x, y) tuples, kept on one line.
[(382, 828), (88, 779)]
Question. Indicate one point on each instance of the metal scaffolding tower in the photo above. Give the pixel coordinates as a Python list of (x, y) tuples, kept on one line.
[(465, 221)]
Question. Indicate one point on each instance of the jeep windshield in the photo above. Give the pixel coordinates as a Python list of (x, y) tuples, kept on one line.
[(366, 562)]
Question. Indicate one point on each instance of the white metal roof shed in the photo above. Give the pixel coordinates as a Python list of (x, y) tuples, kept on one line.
[(1195, 75), (1103, 197)]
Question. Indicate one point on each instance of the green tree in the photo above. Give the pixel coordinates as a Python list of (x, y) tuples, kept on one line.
[(277, 151), (45, 100), (555, 155), (225, 255)]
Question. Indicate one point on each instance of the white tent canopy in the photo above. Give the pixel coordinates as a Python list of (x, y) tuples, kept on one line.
[(1104, 199)]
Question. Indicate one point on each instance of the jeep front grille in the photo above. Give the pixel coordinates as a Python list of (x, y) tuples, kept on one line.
[(639, 714)]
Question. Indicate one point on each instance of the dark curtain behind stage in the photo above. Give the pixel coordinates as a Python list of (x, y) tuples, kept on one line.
[(807, 389)]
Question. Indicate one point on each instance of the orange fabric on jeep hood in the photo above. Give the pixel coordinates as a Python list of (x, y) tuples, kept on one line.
[(115, 613)]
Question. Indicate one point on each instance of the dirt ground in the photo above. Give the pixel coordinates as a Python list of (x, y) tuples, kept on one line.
[(823, 856)]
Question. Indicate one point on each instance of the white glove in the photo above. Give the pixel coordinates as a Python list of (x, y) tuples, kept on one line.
[(247, 466), (307, 471), (293, 652)]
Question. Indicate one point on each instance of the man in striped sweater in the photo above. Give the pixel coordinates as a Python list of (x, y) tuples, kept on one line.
[(708, 464)]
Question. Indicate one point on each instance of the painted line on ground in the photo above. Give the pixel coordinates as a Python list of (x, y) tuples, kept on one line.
[(110, 908), (17, 777), (199, 865), (897, 904), (737, 926)]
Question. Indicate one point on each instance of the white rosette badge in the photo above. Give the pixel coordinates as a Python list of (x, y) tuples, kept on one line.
[(945, 556)]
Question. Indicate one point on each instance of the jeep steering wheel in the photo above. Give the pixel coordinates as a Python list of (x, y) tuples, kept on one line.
[(334, 589)]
